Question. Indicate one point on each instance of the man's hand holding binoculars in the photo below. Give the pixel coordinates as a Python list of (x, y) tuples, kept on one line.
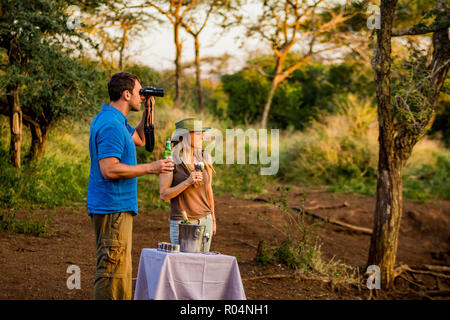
[(148, 95), (147, 110)]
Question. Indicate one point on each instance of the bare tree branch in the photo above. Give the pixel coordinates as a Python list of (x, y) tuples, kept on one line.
[(418, 30)]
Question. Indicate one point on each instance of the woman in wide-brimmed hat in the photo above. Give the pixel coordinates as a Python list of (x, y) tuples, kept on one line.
[(187, 189)]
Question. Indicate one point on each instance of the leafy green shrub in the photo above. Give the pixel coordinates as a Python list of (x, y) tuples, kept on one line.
[(148, 194), (247, 92), (435, 183), (47, 183), (306, 94), (341, 152), (242, 180), (10, 223), (299, 247), (264, 255), (336, 149)]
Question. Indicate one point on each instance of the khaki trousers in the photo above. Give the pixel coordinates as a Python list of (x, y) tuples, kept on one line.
[(113, 236)]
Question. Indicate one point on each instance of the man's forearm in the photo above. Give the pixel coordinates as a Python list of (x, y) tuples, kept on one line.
[(140, 129), (125, 171)]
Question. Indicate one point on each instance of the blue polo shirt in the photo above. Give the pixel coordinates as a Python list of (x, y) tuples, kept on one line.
[(110, 136)]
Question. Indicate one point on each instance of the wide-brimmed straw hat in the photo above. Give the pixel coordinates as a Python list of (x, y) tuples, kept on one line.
[(186, 125)]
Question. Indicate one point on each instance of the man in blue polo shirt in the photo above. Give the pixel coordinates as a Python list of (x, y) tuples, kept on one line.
[(112, 190)]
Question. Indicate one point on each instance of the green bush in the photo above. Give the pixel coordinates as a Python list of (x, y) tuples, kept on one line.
[(299, 246), (10, 223), (148, 195), (433, 186), (306, 94), (336, 148), (47, 183), (247, 92), (241, 180), (341, 151)]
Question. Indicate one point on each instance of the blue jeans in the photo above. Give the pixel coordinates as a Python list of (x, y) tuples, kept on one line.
[(207, 221)]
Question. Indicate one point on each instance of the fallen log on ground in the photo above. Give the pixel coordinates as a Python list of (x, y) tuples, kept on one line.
[(437, 268), (423, 175), (438, 293), (329, 220), (269, 276), (335, 222), (343, 205), (296, 276), (405, 268)]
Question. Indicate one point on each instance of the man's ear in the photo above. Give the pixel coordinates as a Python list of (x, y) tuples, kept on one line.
[(126, 95)]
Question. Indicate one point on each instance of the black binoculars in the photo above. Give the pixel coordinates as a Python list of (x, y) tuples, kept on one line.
[(150, 91), (149, 129)]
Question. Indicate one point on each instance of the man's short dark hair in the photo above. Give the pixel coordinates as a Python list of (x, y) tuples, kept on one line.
[(119, 83)]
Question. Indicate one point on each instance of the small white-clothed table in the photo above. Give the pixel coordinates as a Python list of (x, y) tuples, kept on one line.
[(188, 276)]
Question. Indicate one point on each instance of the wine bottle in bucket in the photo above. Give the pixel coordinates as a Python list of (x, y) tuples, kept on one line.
[(185, 217)]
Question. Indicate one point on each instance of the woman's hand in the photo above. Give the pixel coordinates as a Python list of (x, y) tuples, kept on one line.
[(196, 176)]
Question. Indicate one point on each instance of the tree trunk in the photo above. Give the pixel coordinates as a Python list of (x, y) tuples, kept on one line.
[(265, 115), (396, 147), (278, 77), (15, 124), (178, 69), (388, 213), (198, 74), (384, 240), (39, 135), (122, 46)]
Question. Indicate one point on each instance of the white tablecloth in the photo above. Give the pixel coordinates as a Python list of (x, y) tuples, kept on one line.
[(188, 276)]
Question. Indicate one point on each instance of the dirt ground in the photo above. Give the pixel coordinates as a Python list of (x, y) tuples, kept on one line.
[(35, 267)]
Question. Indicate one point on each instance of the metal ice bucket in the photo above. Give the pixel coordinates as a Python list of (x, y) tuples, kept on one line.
[(192, 237)]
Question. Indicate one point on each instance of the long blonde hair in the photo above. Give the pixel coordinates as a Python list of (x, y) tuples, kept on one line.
[(181, 154)]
